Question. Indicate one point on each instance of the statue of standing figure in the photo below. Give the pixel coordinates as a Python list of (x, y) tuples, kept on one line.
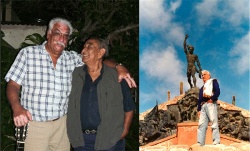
[(191, 60)]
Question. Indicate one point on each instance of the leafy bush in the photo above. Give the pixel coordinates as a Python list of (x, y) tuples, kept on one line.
[(8, 54)]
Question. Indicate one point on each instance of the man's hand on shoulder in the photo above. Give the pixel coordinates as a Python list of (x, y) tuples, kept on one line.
[(124, 74), (122, 71)]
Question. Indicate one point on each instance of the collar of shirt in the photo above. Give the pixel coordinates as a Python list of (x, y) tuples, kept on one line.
[(86, 71)]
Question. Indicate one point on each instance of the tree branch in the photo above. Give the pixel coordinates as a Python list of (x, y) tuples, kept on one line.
[(116, 32), (110, 15)]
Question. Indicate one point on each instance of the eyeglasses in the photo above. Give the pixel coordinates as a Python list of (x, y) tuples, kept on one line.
[(58, 34)]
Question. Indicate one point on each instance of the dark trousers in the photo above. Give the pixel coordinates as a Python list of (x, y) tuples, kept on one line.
[(89, 140)]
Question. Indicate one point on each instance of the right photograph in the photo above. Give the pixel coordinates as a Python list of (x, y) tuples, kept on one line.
[(194, 75)]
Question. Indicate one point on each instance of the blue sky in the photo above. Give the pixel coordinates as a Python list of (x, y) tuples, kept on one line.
[(219, 32)]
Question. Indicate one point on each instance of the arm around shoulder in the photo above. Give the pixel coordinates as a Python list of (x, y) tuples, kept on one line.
[(122, 71)]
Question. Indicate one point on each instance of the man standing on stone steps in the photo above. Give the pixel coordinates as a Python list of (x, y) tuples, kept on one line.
[(207, 108)]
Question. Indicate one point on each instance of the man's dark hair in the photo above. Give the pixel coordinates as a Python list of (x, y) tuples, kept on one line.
[(102, 44)]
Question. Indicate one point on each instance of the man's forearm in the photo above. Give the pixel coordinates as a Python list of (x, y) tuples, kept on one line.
[(12, 93), (128, 119), (110, 63), (20, 115), (119, 67)]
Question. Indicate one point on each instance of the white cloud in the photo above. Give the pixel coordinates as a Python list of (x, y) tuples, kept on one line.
[(205, 11), (157, 19), (175, 35), (232, 12), (161, 64), (240, 55), (152, 14), (174, 5), (237, 12), (146, 98), (159, 94)]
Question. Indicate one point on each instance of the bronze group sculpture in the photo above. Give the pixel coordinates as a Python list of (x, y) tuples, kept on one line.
[(191, 60)]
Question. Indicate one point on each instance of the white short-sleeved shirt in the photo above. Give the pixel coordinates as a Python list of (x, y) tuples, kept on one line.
[(45, 89)]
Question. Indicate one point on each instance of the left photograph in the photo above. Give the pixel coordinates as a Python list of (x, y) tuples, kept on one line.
[(70, 75)]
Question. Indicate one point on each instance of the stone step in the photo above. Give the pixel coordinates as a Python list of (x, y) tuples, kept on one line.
[(186, 140), (195, 147)]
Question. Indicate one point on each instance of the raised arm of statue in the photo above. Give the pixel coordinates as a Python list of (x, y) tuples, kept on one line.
[(185, 44)]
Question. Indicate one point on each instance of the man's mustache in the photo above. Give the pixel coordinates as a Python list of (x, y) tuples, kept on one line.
[(60, 43)]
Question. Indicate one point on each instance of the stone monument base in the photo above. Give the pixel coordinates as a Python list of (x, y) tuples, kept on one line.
[(187, 133)]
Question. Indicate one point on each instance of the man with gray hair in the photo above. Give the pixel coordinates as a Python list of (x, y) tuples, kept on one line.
[(43, 73), (207, 108)]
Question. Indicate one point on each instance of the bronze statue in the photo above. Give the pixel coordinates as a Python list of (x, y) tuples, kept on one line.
[(191, 59)]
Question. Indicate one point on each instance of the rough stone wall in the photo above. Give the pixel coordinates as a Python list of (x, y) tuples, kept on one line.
[(159, 123), (234, 124), (156, 125), (188, 105)]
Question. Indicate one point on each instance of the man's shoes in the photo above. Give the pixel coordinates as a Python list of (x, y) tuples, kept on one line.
[(216, 143), (197, 144)]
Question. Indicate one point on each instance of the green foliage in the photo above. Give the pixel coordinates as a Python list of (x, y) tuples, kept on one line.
[(8, 54), (35, 39)]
